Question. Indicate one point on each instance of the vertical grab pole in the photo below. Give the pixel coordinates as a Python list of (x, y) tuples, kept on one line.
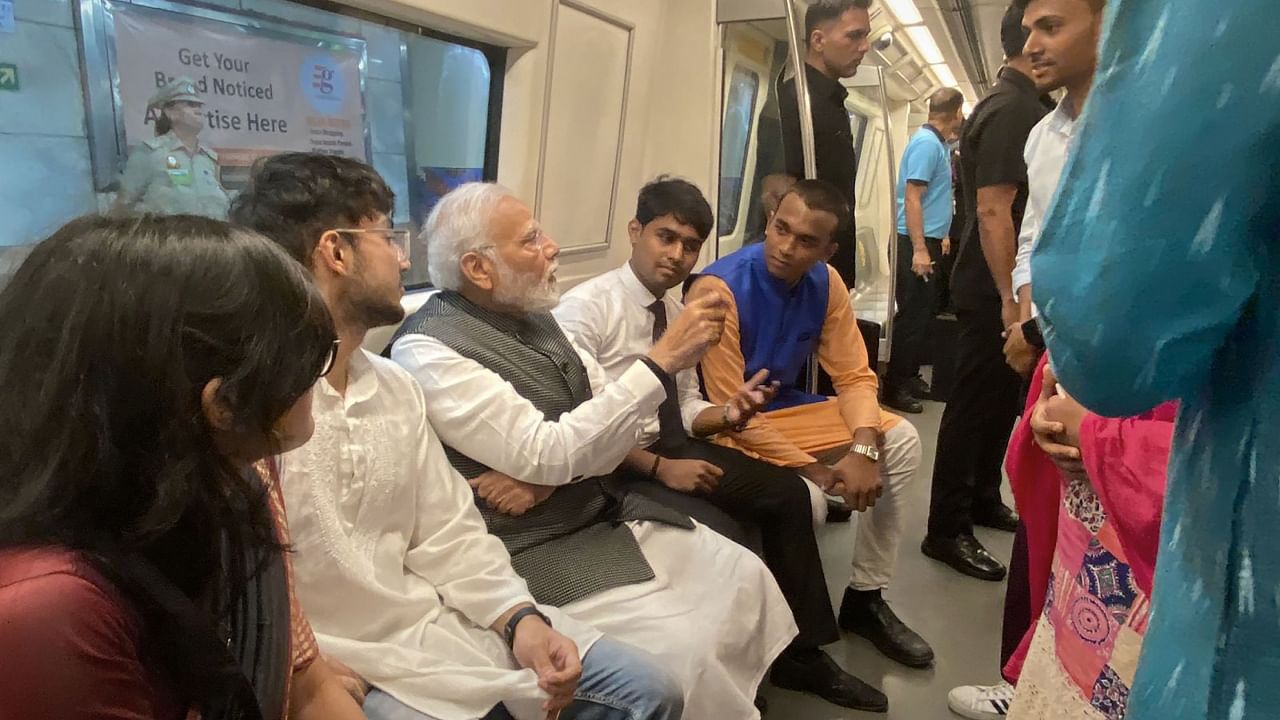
[(893, 213), (806, 128)]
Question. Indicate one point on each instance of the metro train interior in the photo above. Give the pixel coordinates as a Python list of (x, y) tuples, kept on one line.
[(573, 105)]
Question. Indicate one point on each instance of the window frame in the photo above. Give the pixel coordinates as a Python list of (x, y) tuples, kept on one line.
[(495, 55), (107, 145)]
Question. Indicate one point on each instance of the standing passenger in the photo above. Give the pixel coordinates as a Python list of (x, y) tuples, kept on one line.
[(836, 39), (154, 361), (925, 208), (1158, 277), (980, 412), (173, 173), (1062, 45)]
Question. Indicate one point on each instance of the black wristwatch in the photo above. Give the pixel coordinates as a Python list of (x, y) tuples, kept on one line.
[(509, 632)]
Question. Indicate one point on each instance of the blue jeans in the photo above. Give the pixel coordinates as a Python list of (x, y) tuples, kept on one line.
[(619, 682)]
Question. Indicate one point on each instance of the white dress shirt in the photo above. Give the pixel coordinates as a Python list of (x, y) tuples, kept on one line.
[(1046, 154), (713, 614), (394, 566), (608, 316), (482, 416)]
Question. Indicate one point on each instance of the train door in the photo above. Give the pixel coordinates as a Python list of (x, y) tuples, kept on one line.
[(762, 47)]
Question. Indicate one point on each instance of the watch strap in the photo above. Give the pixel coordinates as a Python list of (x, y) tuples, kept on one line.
[(509, 632), (870, 452)]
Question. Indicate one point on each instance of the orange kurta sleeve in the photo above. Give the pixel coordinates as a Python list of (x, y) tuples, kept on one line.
[(843, 355), (722, 373)]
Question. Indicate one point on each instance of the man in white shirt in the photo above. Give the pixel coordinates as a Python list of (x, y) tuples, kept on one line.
[(394, 566), (1063, 47), (507, 391), (616, 317)]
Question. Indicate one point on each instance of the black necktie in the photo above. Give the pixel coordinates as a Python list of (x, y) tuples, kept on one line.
[(670, 423)]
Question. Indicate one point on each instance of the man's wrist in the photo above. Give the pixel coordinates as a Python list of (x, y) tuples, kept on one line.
[(513, 623), (729, 424), (658, 367)]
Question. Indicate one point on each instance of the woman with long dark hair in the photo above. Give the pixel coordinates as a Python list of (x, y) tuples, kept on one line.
[(146, 365)]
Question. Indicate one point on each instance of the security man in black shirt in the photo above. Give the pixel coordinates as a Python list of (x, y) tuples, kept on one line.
[(980, 414), (837, 37)]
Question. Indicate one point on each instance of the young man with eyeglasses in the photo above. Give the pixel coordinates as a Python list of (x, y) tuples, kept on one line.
[(395, 568)]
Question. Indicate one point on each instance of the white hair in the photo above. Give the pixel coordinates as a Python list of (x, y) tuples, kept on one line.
[(457, 225)]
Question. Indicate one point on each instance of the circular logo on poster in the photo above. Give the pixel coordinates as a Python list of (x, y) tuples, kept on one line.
[(323, 84)]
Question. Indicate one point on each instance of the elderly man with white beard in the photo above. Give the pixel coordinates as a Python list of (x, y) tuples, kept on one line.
[(534, 424)]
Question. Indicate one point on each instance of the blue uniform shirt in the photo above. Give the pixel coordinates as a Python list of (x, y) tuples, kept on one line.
[(927, 160)]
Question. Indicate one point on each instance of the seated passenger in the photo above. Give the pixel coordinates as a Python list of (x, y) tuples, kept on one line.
[(394, 563), (147, 364), (787, 304), (616, 318), (506, 391)]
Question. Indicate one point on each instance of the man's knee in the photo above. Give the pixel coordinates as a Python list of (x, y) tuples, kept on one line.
[(630, 680), (903, 451)]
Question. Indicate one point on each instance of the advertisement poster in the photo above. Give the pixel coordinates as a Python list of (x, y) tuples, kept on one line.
[(264, 92)]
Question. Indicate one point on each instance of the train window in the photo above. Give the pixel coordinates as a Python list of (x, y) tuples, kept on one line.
[(739, 116), (419, 105), (451, 103)]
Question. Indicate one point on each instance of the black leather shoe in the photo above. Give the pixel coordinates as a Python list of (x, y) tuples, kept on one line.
[(838, 512), (1001, 517), (918, 388), (868, 615), (965, 555), (817, 674), (901, 400)]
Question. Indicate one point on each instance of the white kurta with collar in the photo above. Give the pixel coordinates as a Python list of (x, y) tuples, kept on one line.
[(713, 614), (394, 566)]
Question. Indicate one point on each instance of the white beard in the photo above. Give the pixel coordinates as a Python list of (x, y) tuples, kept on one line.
[(526, 293)]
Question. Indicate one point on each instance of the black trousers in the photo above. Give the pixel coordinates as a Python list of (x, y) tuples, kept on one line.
[(976, 424), (755, 496), (917, 300), (1017, 599)]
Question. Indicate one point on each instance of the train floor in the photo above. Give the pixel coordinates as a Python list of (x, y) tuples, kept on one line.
[(959, 616)]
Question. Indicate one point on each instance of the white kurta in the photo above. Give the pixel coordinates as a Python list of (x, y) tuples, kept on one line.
[(713, 614), (394, 566)]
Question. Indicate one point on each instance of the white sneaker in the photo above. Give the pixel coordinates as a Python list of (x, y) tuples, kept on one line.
[(981, 702)]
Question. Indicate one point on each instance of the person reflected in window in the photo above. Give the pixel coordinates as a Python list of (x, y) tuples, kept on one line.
[(142, 574), (836, 38), (924, 225), (173, 173), (772, 188)]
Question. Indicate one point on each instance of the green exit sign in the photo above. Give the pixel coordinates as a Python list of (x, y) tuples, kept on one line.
[(8, 76)]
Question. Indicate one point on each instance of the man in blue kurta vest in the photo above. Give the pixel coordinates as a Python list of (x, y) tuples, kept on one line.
[(786, 304)]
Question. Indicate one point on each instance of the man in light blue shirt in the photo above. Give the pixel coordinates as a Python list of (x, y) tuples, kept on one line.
[(925, 208)]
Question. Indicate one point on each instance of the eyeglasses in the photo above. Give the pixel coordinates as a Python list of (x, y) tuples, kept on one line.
[(398, 239), (329, 360), (535, 239)]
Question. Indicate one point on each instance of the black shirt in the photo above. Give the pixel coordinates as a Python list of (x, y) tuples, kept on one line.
[(991, 153), (832, 146)]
